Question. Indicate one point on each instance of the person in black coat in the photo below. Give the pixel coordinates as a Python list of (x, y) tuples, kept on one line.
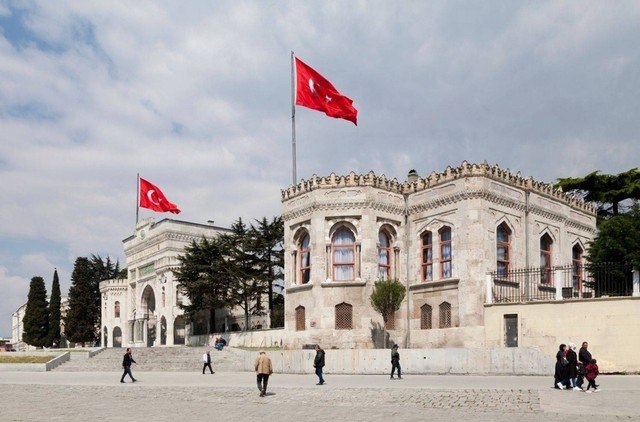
[(572, 366), (559, 371), (318, 363), (584, 356), (127, 360)]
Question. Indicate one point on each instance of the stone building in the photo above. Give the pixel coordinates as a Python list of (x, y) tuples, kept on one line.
[(144, 310), (438, 235)]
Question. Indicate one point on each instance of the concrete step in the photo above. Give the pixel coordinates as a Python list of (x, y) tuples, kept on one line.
[(159, 359)]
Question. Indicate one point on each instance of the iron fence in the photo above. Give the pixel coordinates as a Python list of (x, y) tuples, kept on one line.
[(562, 282)]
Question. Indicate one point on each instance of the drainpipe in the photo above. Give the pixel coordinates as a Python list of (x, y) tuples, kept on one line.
[(526, 243), (406, 252)]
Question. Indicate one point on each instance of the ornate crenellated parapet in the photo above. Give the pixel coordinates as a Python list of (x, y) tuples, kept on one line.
[(417, 183)]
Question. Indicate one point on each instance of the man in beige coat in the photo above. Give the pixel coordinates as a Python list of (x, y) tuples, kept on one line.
[(263, 370)]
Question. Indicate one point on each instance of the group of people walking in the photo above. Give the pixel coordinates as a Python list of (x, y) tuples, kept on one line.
[(573, 368)]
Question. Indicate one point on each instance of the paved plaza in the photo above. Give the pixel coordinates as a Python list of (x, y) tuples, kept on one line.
[(164, 396)]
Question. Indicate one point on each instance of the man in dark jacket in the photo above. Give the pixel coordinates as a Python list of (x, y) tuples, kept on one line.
[(127, 360), (395, 361), (318, 363), (584, 356)]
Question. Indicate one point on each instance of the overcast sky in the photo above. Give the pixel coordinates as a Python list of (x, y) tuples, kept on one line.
[(196, 97)]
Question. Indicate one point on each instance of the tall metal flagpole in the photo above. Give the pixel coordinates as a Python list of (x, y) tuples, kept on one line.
[(137, 197), (293, 122)]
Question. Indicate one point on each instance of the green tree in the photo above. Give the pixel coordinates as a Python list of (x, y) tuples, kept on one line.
[(267, 247), (610, 192), (204, 279), (54, 311), (618, 240), (36, 316), (386, 298), (82, 322)]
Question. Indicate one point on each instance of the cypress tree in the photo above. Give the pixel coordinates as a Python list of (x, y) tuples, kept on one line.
[(54, 311), (81, 325), (36, 316)]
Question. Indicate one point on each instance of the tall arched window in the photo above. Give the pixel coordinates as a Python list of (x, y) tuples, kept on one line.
[(384, 255), (427, 256), (545, 259), (445, 315), (503, 250), (116, 309), (576, 260), (426, 317), (445, 252), (304, 252), (343, 245), (344, 316)]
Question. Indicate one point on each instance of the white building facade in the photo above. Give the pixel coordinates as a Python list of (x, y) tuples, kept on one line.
[(438, 235)]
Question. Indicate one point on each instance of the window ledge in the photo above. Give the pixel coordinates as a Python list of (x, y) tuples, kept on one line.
[(355, 283), (437, 284), (299, 288)]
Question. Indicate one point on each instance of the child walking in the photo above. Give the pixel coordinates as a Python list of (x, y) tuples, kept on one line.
[(592, 373)]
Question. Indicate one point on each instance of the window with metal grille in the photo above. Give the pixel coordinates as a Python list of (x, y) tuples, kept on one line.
[(384, 255), (427, 256), (116, 309), (304, 252), (545, 259), (390, 324), (503, 249), (343, 245), (445, 252), (577, 268), (426, 317), (344, 316), (445, 315), (300, 318)]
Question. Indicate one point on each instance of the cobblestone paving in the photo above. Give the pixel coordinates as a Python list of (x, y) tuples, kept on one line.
[(233, 396)]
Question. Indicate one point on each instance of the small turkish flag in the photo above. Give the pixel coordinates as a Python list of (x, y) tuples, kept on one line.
[(317, 93), (152, 198)]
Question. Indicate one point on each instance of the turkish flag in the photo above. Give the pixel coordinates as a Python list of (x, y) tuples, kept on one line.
[(315, 92), (151, 197)]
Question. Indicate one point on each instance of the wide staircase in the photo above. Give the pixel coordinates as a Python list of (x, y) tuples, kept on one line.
[(159, 359)]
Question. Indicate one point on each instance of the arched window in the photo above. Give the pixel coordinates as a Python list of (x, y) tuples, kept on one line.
[(445, 315), (427, 256), (545, 259), (445, 252), (343, 245), (344, 316), (116, 309), (300, 318), (503, 250), (576, 259), (163, 296), (304, 252), (426, 316), (384, 255)]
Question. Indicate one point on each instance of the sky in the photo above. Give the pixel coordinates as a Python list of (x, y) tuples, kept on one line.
[(196, 98)]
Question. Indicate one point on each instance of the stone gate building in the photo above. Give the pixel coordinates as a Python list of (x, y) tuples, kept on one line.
[(438, 235)]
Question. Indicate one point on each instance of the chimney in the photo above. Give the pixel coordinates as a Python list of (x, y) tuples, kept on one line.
[(413, 176)]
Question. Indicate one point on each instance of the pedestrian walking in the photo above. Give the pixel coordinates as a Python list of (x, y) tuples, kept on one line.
[(592, 372), (263, 371), (395, 362), (127, 360), (318, 363), (584, 357), (206, 360)]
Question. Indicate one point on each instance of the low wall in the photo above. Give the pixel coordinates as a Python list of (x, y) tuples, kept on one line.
[(609, 325), (505, 361), (35, 367), (257, 338)]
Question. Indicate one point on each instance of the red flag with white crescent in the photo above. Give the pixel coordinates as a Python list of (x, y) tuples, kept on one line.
[(151, 197)]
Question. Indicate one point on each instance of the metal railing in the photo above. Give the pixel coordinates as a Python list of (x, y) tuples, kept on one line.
[(562, 283)]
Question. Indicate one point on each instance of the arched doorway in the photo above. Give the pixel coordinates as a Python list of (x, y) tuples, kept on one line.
[(117, 337), (178, 330), (163, 331), (148, 306)]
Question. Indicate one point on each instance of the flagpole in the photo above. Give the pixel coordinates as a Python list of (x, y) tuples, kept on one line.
[(137, 197), (293, 122)]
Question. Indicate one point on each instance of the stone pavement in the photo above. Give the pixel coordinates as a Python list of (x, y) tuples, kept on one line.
[(164, 396)]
